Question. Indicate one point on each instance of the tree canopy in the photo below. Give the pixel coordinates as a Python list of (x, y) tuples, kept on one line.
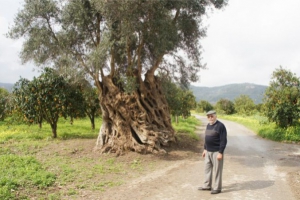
[(122, 38), (225, 106), (281, 101), (47, 97), (204, 106), (244, 105)]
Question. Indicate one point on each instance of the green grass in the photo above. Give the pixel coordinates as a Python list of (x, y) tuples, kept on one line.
[(81, 128), (265, 129), (33, 165), (22, 172), (187, 126)]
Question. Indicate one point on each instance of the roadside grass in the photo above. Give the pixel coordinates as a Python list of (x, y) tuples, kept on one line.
[(33, 165), (187, 127), (265, 129)]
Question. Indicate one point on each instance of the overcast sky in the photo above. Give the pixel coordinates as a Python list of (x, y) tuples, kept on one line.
[(245, 43)]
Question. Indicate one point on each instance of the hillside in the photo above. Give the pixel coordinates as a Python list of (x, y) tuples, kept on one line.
[(7, 86), (231, 91), (213, 94)]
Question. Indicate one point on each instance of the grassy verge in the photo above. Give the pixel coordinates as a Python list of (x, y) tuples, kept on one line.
[(262, 127), (187, 126)]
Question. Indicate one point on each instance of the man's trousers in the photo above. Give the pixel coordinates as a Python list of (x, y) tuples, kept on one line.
[(213, 169)]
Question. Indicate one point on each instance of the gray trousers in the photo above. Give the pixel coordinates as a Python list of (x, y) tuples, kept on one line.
[(213, 168)]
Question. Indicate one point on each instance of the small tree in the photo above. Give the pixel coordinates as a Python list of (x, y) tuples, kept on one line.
[(281, 100), (187, 101), (75, 107), (203, 106), (47, 97), (180, 101), (91, 104), (3, 102), (244, 105), (225, 106)]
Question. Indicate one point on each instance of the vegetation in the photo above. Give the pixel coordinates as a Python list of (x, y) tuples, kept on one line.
[(204, 106), (3, 101), (91, 104), (259, 124), (47, 97), (187, 125), (281, 103), (33, 165), (24, 132), (180, 101), (121, 53), (225, 106), (244, 105)]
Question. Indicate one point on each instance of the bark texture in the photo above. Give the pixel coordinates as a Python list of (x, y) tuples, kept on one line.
[(138, 122)]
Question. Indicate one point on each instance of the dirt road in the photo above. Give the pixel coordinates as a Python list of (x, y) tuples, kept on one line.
[(254, 168)]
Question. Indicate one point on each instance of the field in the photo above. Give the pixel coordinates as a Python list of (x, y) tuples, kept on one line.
[(35, 166)]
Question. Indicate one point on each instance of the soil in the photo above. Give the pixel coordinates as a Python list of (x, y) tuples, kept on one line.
[(254, 168)]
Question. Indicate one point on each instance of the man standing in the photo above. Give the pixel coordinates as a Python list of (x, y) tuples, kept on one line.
[(214, 146)]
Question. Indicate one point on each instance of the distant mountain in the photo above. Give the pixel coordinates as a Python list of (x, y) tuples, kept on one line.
[(231, 91), (213, 94), (7, 86)]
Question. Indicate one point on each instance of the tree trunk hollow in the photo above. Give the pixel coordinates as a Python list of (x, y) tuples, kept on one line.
[(137, 122)]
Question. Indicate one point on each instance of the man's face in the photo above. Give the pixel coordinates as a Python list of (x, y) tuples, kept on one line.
[(212, 118)]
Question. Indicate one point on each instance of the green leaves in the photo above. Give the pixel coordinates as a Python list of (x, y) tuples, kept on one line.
[(3, 103), (48, 97), (281, 101), (244, 105), (114, 37), (225, 106), (180, 101), (204, 106)]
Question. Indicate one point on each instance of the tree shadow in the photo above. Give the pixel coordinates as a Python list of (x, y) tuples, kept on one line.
[(248, 185)]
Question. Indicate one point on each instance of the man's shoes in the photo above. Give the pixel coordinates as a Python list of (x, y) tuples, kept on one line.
[(202, 188), (215, 191)]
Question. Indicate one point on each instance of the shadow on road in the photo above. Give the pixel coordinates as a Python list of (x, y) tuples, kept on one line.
[(248, 185)]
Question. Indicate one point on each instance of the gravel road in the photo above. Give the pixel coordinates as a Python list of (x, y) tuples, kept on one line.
[(254, 169)]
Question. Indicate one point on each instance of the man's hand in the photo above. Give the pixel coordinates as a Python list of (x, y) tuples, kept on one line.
[(204, 152), (220, 156)]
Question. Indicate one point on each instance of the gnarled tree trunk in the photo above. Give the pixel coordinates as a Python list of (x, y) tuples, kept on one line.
[(139, 121)]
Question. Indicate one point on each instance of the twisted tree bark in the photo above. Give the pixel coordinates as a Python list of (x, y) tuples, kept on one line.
[(138, 122)]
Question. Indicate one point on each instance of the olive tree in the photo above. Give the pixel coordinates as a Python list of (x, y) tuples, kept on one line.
[(282, 98), (122, 45)]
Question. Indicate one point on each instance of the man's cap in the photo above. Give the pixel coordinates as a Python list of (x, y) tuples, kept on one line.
[(211, 112)]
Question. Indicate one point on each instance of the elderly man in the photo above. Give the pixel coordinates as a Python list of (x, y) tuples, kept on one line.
[(214, 146)]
